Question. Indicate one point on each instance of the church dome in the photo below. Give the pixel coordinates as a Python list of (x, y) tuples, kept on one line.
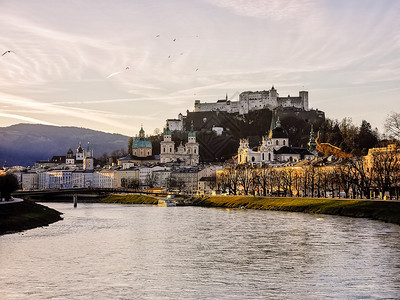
[(278, 132), (141, 143)]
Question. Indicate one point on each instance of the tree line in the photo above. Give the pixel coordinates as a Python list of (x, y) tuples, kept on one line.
[(348, 178)]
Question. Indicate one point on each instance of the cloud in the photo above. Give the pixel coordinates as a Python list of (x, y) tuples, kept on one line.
[(272, 9), (24, 118)]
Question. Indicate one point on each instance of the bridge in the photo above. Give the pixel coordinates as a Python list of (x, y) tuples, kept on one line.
[(83, 194)]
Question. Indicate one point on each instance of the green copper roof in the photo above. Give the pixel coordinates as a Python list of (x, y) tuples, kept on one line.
[(141, 143), (167, 131)]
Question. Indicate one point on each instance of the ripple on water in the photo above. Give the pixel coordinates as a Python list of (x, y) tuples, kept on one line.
[(108, 251)]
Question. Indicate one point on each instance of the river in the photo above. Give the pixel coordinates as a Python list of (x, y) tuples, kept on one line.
[(115, 251)]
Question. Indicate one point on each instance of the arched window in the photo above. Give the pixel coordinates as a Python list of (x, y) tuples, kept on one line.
[(284, 142), (164, 149), (170, 149), (253, 159), (263, 156), (269, 156), (277, 142)]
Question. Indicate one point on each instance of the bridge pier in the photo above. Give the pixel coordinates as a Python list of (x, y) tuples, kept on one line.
[(75, 199)]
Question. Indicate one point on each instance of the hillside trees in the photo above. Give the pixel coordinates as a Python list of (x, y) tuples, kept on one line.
[(130, 144), (349, 137)]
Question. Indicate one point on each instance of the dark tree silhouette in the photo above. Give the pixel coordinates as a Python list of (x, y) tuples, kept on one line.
[(8, 184)]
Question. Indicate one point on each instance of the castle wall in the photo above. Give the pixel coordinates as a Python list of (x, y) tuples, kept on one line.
[(174, 125), (249, 101)]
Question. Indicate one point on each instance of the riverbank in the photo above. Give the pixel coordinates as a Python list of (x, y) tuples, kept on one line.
[(15, 217), (129, 199), (377, 210)]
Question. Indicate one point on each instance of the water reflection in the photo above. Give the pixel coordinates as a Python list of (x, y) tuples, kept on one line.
[(121, 251)]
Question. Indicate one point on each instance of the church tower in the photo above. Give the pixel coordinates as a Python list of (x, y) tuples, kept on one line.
[(70, 160), (192, 148), (79, 153), (167, 147), (88, 160)]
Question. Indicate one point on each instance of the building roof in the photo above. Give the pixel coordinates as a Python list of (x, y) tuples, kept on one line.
[(293, 150), (141, 143), (286, 150)]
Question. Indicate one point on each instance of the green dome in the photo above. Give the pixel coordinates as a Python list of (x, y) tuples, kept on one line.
[(141, 143), (192, 133)]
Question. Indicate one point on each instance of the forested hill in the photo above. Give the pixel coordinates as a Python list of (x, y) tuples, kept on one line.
[(23, 144)]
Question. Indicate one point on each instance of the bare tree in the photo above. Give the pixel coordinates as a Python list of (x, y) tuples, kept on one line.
[(386, 168), (264, 178), (245, 178), (344, 178), (297, 180), (361, 176), (392, 125)]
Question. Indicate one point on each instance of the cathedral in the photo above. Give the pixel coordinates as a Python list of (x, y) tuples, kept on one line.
[(187, 154)]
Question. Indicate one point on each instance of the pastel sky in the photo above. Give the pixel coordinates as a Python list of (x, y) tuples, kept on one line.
[(114, 65)]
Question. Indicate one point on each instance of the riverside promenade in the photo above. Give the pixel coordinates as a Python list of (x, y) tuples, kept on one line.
[(13, 200)]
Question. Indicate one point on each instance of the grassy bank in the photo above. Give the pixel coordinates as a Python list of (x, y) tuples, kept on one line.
[(25, 215), (377, 210), (129, 199)]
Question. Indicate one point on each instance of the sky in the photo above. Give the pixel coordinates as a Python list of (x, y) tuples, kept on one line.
[(115, 65)]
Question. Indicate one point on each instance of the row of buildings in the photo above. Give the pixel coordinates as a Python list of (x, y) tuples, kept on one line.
[(175, 167), (163, 177)]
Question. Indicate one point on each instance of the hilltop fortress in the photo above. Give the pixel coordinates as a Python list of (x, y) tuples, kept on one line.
[(250, 101), (220, 125)]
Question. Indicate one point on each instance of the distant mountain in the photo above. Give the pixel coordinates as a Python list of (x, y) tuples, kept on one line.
[(23, 144)]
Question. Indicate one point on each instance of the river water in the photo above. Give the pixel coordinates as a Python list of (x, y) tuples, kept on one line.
[(114, 251)]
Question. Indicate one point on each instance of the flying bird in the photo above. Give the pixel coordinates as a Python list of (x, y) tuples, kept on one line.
[(8, 51), (197, 69), (157, 35), (127, 68), (174, 40)]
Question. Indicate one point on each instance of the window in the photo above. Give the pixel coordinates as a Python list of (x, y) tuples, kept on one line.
[(263, 156), (277, 142), (284, 142), (269, 156)]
